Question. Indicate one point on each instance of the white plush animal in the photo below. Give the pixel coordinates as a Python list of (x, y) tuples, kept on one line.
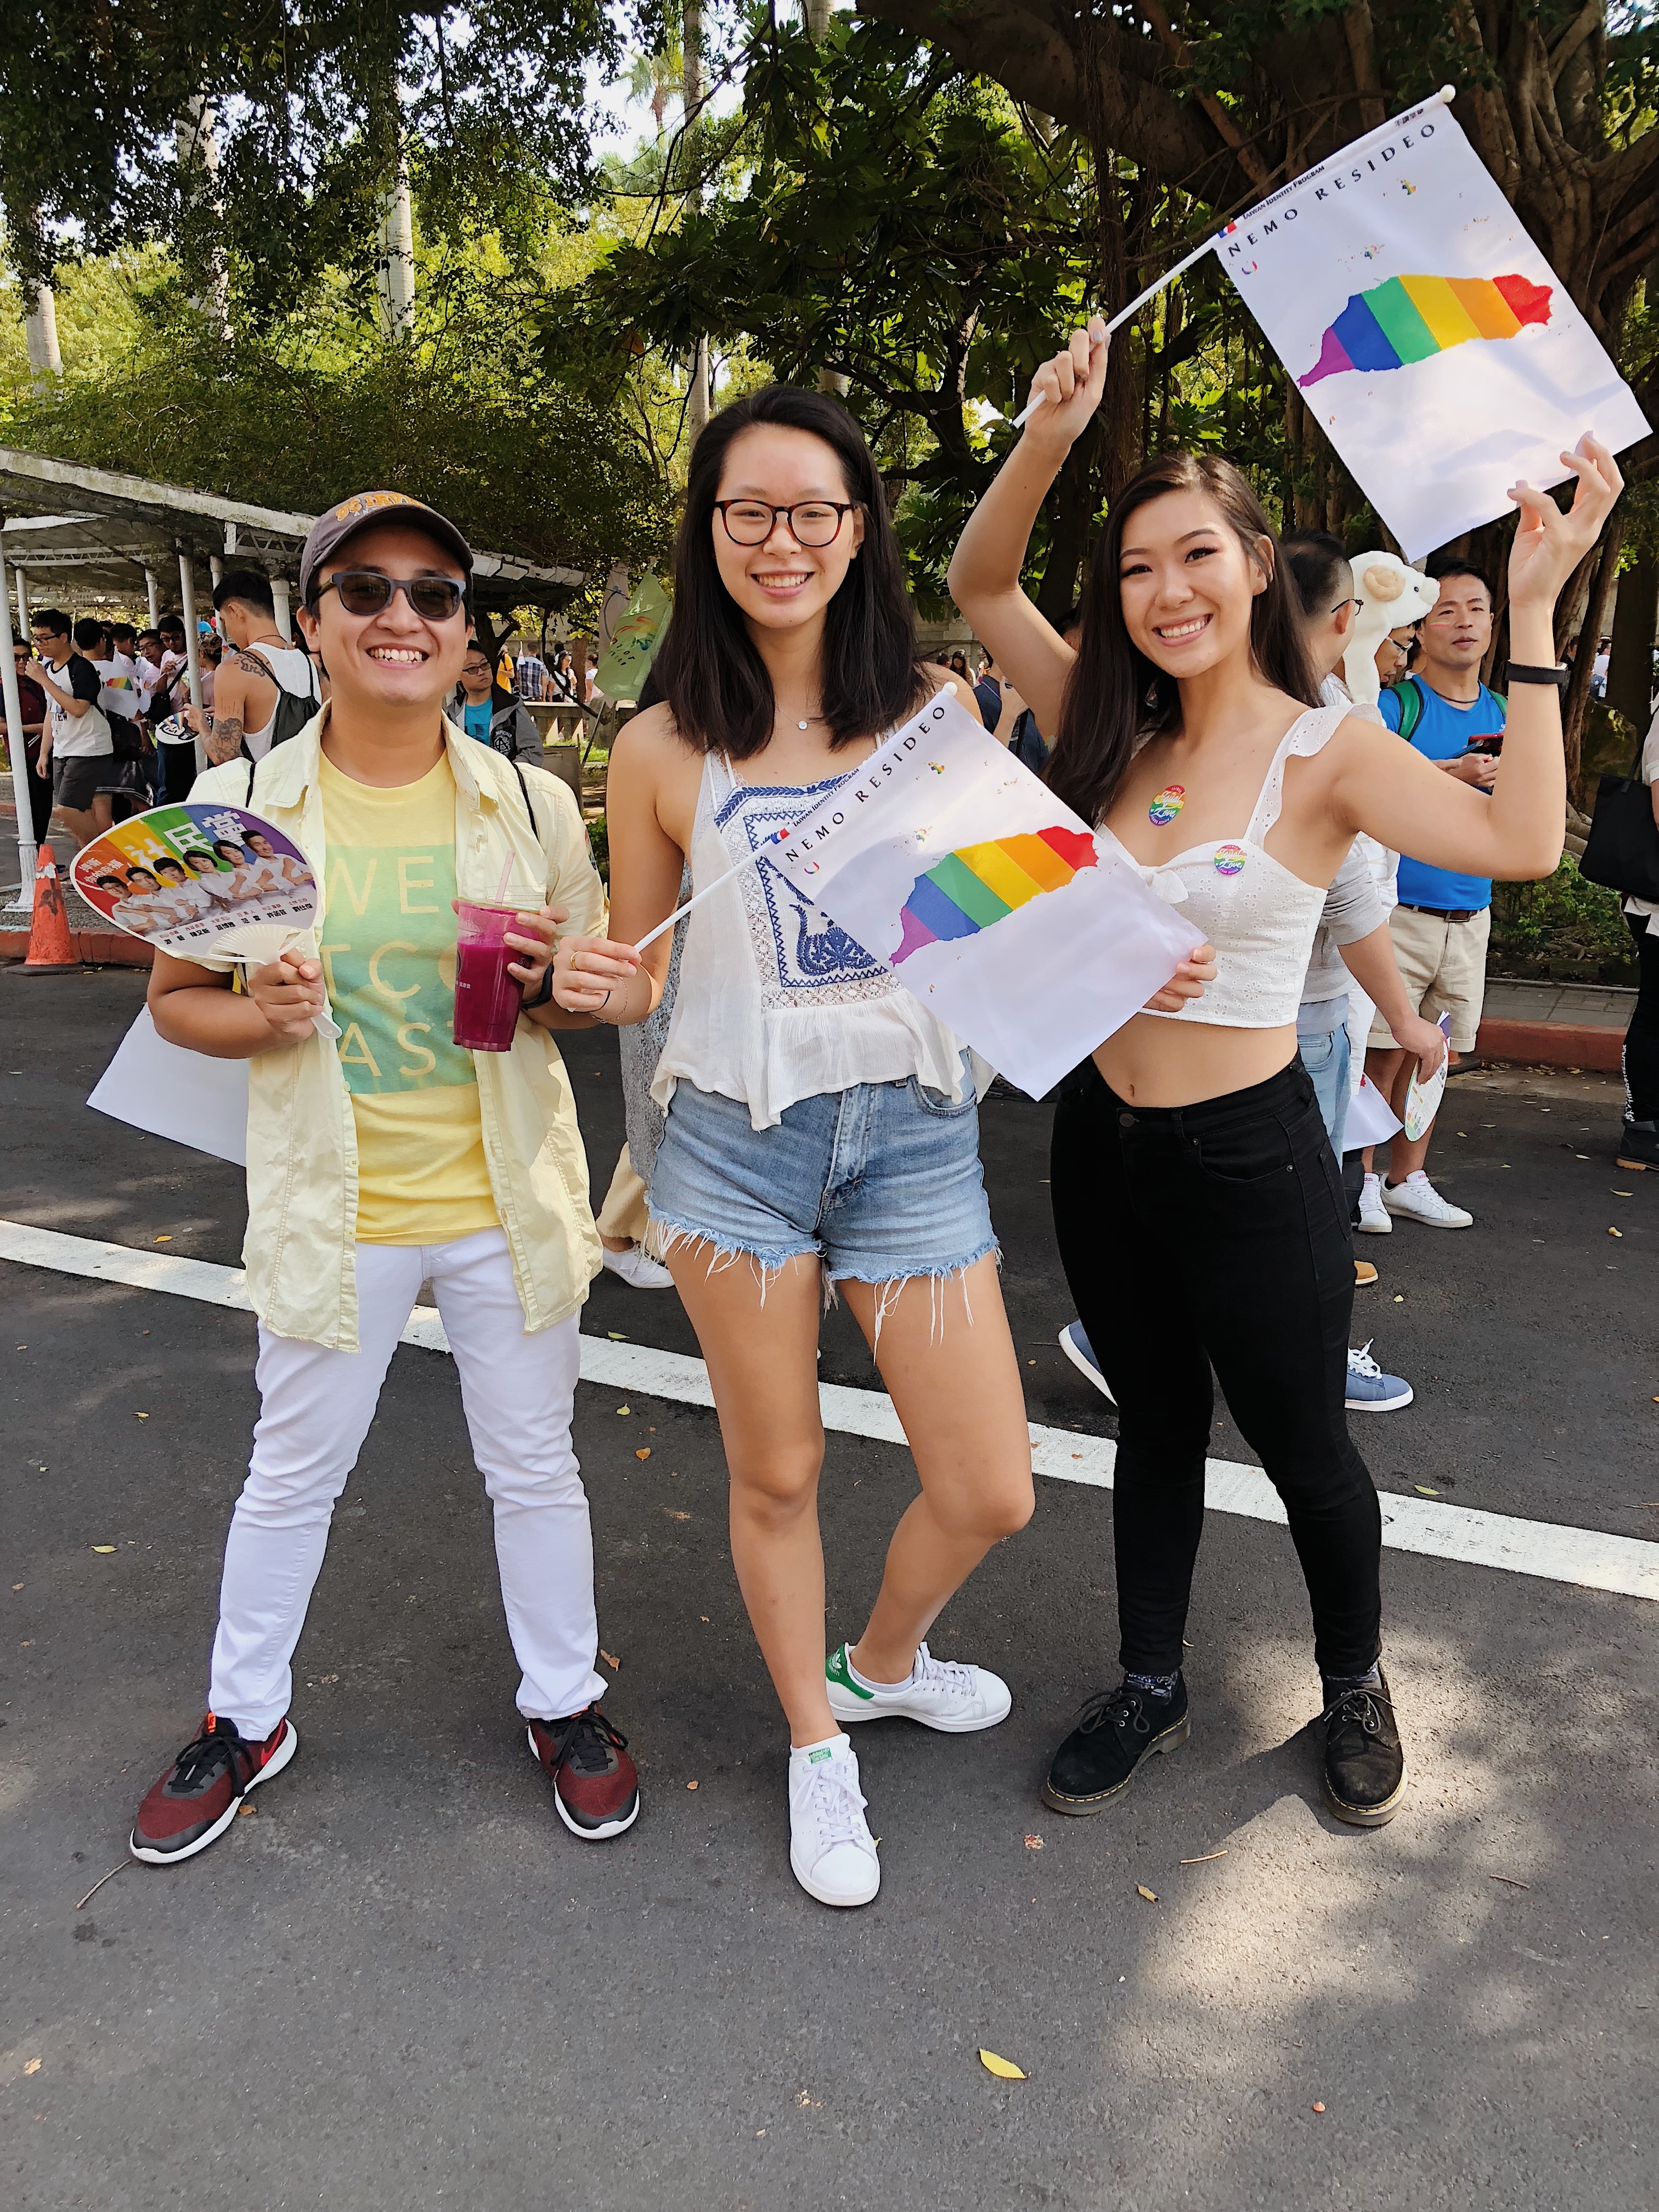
[(1389, 595)]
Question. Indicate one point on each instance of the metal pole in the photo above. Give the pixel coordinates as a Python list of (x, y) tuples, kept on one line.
[(279, 594), (153, 596), (22, 603), (20, 775), (192, 652)]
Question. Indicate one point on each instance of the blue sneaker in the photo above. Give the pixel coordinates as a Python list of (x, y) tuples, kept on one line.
[(1371, 1391), (1081, 1353)]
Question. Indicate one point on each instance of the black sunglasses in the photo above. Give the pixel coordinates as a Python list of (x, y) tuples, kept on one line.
[(366, 592)]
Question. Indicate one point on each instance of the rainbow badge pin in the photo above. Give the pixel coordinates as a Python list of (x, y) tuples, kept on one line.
[(1229, 860), (1168, 804)]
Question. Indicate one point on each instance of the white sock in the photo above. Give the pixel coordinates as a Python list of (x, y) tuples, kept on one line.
[(833, 1747), (865, 1682)]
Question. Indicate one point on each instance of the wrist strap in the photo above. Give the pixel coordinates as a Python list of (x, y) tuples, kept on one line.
[(545, 991), (1523, 671)]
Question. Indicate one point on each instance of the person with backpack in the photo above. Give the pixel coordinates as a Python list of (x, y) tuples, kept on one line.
[(266, 691), (124, 777), (496, 718), (385, 1156), (1441, 923)]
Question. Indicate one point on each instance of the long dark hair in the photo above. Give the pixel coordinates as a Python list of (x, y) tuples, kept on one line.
[(1114, 693), (707, 668)]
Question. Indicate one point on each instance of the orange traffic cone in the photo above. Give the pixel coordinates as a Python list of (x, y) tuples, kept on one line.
[(50, 951)]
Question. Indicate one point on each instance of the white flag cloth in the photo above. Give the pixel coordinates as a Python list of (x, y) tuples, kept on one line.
[(994, 905), (1435, 346)]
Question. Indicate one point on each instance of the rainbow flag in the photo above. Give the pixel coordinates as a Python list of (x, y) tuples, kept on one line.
[(1410, 318), (970, 889)]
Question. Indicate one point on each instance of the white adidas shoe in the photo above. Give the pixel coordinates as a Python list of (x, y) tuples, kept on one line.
[(832, 1853), (941, 1693), (1374, 1217), (1418, 1200), (637, 1267)]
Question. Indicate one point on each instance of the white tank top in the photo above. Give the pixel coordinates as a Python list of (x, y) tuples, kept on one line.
[(1259, 915), (292, 670), (776, 1002)]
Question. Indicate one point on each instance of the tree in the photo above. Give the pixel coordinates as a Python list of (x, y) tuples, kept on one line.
[(310, 105)]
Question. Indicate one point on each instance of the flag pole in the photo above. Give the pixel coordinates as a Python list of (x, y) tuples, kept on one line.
[(1444, 98)]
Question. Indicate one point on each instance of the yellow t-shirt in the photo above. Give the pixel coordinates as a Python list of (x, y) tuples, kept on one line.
[(388, 955)]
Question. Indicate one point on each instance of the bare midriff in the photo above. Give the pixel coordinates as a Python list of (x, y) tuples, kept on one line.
[(1151, 1062)]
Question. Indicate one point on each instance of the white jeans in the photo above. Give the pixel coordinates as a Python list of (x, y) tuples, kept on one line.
[(315, 1406)]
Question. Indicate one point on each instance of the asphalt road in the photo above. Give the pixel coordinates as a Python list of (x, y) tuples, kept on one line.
[(398, 1982)]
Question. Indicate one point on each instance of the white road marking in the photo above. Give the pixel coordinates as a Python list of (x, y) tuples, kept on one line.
[(1587, 1557)]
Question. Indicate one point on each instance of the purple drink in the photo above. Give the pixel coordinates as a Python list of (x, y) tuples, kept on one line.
[(486, 999)]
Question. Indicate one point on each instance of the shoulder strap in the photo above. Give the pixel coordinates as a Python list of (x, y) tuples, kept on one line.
[(1309, 733), (1411, 705)]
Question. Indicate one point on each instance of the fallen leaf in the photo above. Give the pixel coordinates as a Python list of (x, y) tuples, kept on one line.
[(1034, 1842), (103, 1547), (1004, 2069), (1151, 1895), (143, 1416), (1615, 1232), (707, 1623), (33, 2066), (624, 1409), (1319, 2108), (611, 1662), (1399, 1298), (690, 1785), (1423, 1491), (616, 1336), (164, 1240), (644, 1452), (673, 1516), (247, 1809), (1618, 1193)]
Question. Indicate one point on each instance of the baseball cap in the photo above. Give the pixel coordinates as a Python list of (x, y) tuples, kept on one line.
[(331, 531)]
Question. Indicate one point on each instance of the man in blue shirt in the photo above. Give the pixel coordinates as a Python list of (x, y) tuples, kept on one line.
[(1441, 923)]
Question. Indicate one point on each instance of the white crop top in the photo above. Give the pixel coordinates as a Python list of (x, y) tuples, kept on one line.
[(1259, 915), (776, 1001)]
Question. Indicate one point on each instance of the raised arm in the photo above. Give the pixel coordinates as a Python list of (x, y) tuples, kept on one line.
[(1514, 833), (984, 577)]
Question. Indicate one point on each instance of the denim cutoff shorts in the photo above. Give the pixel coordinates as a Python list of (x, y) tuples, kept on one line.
[(880, 1183)]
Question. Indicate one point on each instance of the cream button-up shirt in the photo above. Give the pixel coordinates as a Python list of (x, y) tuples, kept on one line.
[(299, 1252)]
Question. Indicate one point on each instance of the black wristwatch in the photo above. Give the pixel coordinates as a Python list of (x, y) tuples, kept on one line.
[(545, 991), (1523, 671)]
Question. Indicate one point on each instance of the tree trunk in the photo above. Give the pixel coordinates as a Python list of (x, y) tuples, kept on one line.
[(1575, 705), (1630, 676), (818, 13), (41, 328), (691, 94), (196, 143)]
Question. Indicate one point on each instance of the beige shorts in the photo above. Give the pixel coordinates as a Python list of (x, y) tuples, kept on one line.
[(1445, 967)]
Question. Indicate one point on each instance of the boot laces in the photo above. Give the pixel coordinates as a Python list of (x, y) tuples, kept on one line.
[(585, 1743), (1359, 1707), (1360, 1362), (199, 1764), (1123, 1707), (950, 1674)]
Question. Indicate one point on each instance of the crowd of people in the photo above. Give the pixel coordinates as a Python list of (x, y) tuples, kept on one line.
[(816, 1127)]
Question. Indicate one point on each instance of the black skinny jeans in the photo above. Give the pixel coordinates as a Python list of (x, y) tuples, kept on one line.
[(1218, 1234), (1642, 1037)]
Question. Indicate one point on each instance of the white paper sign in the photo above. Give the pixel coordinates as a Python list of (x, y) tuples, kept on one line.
[(1439, 351), (995, 905), (161, 1087)]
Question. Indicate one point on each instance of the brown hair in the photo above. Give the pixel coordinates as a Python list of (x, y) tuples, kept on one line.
[(1115, 692)]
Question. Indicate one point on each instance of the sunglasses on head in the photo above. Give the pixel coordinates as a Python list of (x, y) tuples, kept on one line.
[(366, 592)]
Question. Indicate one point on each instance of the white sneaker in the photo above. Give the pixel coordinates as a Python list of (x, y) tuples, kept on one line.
[(941, 1693), (1418, 1200), (1373, 1214), (635, 1266), (832, 1853)]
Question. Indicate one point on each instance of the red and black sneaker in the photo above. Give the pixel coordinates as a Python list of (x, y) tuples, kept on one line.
[(196, 1799), (595, 1785)]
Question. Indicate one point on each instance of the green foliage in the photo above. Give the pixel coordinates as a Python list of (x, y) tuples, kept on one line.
[(1560, 924), (522, 466)]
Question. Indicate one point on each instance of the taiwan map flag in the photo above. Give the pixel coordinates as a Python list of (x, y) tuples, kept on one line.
[(1436, 348), (991, 902)]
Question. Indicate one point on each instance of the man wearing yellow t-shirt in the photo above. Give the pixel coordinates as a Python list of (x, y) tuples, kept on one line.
[(389, 1156)]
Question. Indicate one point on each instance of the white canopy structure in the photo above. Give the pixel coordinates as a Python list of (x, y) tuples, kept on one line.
[(70, 532)]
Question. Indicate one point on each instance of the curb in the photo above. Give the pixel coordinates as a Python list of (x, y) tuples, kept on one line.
[(1553, 1044), (94, 948)]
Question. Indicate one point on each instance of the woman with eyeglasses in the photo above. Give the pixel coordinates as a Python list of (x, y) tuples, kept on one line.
[(822, 1135)]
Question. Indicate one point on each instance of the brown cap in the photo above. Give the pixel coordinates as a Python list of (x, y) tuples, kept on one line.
[(331, 531)]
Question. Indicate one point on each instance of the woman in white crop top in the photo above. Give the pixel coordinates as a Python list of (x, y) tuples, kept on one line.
[(1198, 1207), (822, 1127)]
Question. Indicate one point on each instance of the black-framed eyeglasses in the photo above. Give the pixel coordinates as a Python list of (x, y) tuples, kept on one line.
[(814, 522), (366, 592)]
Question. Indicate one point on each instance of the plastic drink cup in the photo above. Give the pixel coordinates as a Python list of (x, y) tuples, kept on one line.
[(486, 999)]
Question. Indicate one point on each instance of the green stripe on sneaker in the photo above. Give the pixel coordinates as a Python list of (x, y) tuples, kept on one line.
[(838, 1668)]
